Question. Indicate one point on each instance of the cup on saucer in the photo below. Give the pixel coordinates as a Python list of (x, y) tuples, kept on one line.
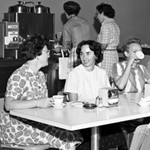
[(58, 100)]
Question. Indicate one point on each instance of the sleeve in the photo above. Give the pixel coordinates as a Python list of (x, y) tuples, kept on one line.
[(107, 80), (116, 70), (15, 86), (71, 85), (66, 36), (146, 73), (148, 67)]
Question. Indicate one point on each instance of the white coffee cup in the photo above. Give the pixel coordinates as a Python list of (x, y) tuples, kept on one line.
[(58, 100), (139, 54)]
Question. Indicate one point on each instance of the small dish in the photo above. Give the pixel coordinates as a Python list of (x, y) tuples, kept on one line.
[(89, 105), (59, 106), (77, 104)]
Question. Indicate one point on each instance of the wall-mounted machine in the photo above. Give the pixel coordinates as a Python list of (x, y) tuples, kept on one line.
[(9, 39), (29, 21)]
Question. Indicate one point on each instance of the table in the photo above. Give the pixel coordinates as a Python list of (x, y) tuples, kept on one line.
[(73, 118)]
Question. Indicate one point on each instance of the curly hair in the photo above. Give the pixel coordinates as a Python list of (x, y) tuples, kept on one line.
[(106, 9), (94, 46), (33, 46), (125, 47), (72, 8)]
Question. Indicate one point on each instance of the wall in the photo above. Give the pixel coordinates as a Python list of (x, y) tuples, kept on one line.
[(131, 15)]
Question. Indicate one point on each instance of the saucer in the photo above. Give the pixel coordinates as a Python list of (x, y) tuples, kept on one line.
[(113, 101), (77, 104), (59, 106)]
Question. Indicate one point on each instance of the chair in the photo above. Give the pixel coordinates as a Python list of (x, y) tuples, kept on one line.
[(16, 147), (141, 138)]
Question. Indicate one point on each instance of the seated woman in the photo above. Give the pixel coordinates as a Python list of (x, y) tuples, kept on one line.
[(129, 75), (27, 88), (84, 82)]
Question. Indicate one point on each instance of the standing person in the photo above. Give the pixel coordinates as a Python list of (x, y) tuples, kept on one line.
[(108, 37), (75, 30), (26, 88), (84, 81)]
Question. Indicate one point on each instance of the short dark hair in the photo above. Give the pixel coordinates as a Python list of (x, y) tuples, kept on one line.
[(71, 8), (106, 9), (33, 46), (94, 46), (130, 41)]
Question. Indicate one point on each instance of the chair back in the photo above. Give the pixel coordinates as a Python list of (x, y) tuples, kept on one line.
[(141, 138)]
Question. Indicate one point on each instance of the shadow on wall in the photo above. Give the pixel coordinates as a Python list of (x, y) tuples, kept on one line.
[(63, 18), (96, 25)]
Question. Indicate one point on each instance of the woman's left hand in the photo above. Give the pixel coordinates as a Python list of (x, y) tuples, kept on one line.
[(44, 103)]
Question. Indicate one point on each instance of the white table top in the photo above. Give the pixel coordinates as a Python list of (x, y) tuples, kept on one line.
[(73, 118)]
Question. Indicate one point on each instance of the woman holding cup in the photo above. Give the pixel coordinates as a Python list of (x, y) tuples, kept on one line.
[(129, 75), (26, 88)]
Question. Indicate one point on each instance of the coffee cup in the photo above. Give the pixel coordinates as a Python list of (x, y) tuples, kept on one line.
[(139, 54), (58, 100)]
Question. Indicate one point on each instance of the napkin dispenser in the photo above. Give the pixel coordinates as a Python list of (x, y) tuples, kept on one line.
[(108, 95)]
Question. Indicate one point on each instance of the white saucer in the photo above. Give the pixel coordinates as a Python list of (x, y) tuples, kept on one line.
[(59, 106), (78, 104), (113, 100), (144, 104)]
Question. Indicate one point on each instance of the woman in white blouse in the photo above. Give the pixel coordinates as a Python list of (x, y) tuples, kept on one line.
[(84, 82)]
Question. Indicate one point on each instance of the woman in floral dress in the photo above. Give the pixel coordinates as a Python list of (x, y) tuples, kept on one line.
[(26, 88)]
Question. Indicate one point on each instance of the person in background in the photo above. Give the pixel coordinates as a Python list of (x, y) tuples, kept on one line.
[(84, 81), (26, 88), (129, 75), (108, 37), (75, 30)]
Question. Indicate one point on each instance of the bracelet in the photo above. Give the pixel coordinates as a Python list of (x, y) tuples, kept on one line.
[(35, 103)]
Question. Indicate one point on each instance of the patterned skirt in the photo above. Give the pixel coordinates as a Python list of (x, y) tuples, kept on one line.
[(18, 131)]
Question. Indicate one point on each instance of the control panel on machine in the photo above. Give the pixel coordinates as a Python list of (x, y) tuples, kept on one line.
[(11, 35), (9, 39)]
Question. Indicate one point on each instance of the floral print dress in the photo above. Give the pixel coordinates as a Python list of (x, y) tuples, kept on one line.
[(25, 85)]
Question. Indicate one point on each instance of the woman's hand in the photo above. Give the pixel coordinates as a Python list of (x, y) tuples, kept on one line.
[(44, 103), (132, 58)]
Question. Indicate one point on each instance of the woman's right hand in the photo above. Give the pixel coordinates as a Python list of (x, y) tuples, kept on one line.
[(132, 58)]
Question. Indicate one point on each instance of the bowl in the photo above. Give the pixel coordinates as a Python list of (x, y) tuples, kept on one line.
[(89, 105)]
